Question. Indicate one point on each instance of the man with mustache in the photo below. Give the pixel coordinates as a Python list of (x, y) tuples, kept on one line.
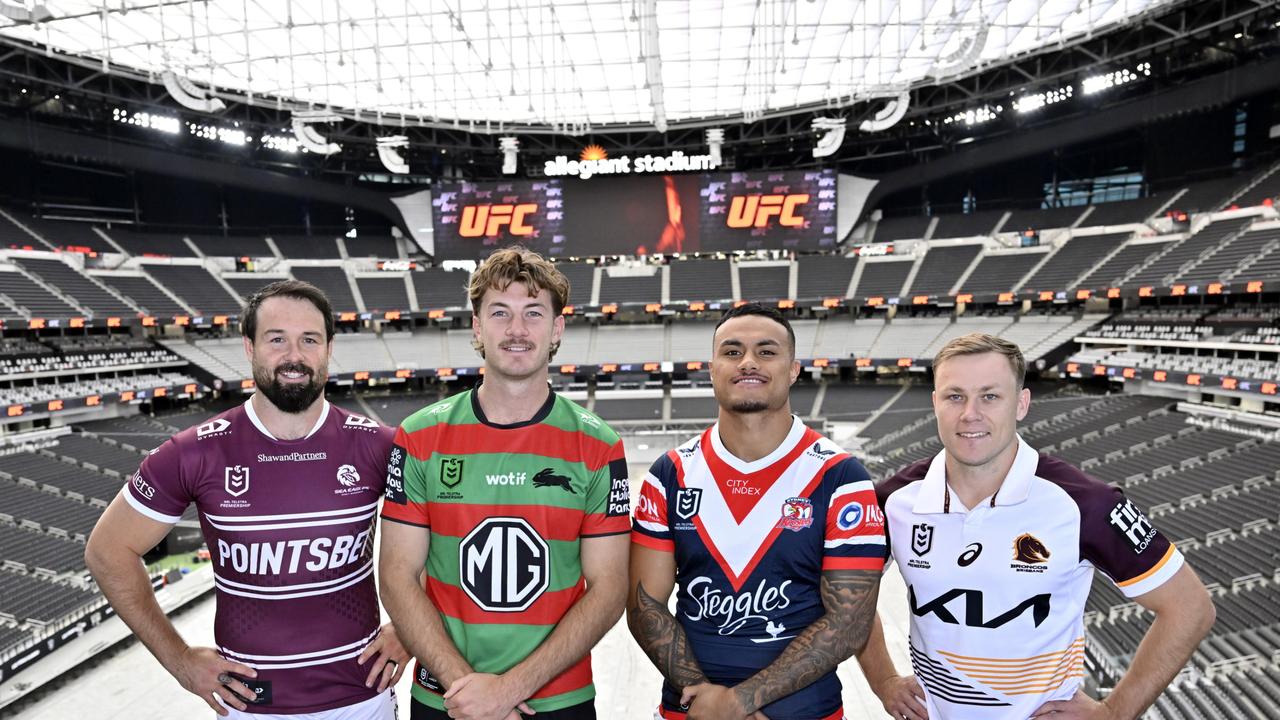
[(516, 501), (774, 535), (287, 487)]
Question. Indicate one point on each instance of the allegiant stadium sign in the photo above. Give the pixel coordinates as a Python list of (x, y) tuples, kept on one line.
[(677, 161)]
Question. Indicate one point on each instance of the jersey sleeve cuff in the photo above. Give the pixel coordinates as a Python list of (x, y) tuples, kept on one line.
[(404, 521), (853, 563), (152, 513), (653, 543), (1160, 573)]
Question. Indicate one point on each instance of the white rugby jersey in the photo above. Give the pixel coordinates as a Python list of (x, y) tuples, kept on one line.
[(997, 592)]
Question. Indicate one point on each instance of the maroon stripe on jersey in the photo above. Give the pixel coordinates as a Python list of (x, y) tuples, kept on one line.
[(542, 439), (548, 609), (552, 523)]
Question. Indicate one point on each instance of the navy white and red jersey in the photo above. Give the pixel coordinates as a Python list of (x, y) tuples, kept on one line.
[(289, 525), (997, 592), (751, 540)]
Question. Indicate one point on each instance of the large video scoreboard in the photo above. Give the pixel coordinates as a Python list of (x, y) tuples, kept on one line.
[(638, 214)]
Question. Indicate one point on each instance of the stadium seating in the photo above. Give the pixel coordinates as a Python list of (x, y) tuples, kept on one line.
[(374, 246), (1073, 259), (85, 292), (26, 297), (143, 292), (1178, 255), (823, 276), (769, 282), (196, 287), (640, 288), (997, 272), (332, 281), (437, 288), (883, 278), (942, 267), (151, 244), (695, 280), (232, 246), (304, 247), (383, 293)]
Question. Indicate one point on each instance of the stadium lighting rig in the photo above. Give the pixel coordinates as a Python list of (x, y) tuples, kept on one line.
[(1031, 103), (311, 140), (832, 130), (188, 95), (510, 147), (162, 123), (1098, 83), (889, 115), (392, 160), (281, 143), (975, 116)]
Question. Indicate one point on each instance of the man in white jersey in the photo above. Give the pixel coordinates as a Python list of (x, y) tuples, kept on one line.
[(998, 544), (287, 487)]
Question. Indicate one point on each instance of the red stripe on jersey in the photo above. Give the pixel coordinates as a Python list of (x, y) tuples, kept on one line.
[(548, 609), (551, 523), (653, 543), (414, 513), (740, 505), (603, 524), (651, 506), (577, 676), (737, 580), (831, 562), (541, 439), (866, 520)]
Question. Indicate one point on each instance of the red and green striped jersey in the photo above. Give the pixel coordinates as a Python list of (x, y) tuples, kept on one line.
[(507, 507)]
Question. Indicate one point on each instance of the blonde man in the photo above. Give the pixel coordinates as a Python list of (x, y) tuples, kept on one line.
[(998, 545), (516, 502)]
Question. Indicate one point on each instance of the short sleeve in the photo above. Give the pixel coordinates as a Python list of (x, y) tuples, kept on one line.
[(854, 535), (158, 488), (1120, 541), (650, 527), (406, 487), (608, 509)]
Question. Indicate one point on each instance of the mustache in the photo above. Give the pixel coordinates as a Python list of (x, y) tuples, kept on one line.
[(295, 367)]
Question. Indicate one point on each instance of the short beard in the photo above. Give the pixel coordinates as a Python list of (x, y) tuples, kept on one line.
[(292, 398), (750, 406)]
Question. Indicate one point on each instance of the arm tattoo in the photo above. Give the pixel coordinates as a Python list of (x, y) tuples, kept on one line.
[(850, 600), (663, 640)]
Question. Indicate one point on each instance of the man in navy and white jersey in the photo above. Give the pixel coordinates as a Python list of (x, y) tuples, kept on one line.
[(774, 535), (287, 487), (998, 544)]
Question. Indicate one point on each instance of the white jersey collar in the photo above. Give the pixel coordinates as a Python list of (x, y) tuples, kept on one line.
[(1013, 490), (257, 421), (742, 466)]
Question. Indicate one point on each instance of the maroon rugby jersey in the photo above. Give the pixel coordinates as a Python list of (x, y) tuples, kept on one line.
[(289, 524)]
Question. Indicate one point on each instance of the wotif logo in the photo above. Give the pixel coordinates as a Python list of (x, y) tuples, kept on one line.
[(489, 220), (755, 211), (511, 478)]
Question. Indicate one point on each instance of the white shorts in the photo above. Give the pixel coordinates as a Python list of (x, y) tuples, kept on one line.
[(379, 707)]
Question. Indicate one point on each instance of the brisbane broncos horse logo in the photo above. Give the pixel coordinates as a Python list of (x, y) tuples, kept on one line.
[(1028, 549)]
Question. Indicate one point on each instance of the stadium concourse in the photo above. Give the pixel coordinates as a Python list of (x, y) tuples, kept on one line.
[(1095, 181)]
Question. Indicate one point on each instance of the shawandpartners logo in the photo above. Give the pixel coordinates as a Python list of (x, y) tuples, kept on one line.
[(293, 457)]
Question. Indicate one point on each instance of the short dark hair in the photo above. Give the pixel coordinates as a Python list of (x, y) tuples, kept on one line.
[(755, 308), (293, 289)]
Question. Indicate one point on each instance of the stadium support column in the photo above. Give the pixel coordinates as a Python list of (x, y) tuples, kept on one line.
[(649, 49)]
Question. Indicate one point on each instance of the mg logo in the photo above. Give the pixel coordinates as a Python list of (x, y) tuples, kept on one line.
[(754, 211), (505, 564), (488, 220)]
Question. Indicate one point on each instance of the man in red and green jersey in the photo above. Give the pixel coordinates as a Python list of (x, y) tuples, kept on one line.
[(516, 501)]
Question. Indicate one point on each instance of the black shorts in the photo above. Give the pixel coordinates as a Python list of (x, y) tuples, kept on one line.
[(583, 711)]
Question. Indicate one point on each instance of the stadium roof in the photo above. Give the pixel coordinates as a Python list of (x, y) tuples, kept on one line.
[(576, 66)]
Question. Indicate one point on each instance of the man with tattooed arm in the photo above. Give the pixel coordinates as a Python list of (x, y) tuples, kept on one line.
[(775, 536)]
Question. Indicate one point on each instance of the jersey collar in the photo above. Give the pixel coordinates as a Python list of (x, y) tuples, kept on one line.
[(1014, 489), (742, 466), (257, 421)]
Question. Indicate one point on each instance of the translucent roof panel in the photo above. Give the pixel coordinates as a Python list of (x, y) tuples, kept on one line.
[(588, 63)]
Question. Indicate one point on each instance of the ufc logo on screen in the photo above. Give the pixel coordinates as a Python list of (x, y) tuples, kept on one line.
[(488, 220), (755, 210)]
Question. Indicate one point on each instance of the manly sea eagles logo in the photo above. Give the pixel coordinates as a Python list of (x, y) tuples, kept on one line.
[(236, 481), (687, 502), (451, 472), (921, 538)]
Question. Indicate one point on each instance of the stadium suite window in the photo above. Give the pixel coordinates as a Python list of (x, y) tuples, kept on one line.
[(1094, 190)]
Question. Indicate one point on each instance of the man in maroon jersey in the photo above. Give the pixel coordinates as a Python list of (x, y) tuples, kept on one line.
[(287, 487)]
